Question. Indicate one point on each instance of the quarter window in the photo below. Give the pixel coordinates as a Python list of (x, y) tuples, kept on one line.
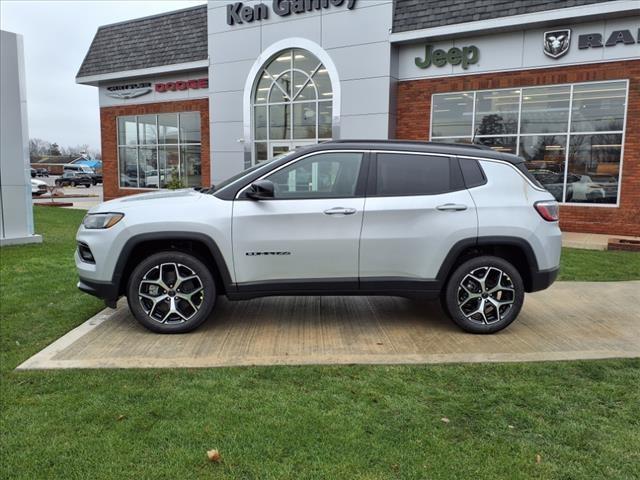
[(571, 136), (154, 150), (403, 174), (326, 175)]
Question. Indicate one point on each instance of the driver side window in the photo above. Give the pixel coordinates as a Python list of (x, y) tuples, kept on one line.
[(326, 175)]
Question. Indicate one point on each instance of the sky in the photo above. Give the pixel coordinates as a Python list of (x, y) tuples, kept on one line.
[(57, 35)]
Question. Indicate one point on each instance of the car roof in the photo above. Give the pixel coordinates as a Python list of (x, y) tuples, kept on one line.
[(459, 149)]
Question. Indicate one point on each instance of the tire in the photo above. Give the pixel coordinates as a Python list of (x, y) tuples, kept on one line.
[(473, 308), (157, 315), (72, 184), (87, 185)]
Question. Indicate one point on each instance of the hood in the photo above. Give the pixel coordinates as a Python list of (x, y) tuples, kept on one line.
[(157, 199)]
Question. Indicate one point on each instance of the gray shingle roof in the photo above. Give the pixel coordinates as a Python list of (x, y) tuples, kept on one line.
[(417, 14), (165, 39)]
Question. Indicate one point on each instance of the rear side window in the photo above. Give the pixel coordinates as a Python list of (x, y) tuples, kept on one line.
[(472, 173), (405, 174)]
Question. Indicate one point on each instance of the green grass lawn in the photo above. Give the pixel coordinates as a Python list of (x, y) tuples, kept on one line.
[(344, 422)]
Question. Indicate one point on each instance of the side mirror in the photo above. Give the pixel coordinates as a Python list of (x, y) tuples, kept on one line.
[(261, 190)]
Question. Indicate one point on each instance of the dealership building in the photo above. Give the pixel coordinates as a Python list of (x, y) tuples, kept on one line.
[(194, 96)]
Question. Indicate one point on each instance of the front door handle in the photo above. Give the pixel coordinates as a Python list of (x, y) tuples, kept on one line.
[(340, 211), (451, 207)]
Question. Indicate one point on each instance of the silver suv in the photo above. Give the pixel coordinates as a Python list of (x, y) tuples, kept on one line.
[(463, 223)]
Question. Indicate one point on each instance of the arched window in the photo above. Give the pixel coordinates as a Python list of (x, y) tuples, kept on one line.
[(292, 104)]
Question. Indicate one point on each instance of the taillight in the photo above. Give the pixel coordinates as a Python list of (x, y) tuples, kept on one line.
[(548, 209)]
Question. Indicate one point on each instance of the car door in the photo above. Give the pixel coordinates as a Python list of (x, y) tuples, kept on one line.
[(309, 231), (416, 210)]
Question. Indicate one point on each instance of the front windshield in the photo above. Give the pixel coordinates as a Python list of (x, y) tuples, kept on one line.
[(243, 173)]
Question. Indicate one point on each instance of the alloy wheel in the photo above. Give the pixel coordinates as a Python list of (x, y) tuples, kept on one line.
[(171, 293), (485, 295)]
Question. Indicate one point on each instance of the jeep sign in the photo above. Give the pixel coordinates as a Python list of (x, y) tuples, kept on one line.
[(464, 56)]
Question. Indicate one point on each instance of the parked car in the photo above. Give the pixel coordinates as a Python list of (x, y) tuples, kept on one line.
[(460, 222), (96, 178), (554, 183), (42, 172), (38, 187), (77, 168), (72, 179), (33, 173)]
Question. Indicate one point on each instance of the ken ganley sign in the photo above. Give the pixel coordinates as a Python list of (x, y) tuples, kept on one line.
[(238, 13)]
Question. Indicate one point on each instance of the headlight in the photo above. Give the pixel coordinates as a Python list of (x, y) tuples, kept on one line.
[(101, 220)]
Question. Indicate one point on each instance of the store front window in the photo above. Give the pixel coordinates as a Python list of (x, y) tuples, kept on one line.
[(292, 104), (159, 150), (570, 135)]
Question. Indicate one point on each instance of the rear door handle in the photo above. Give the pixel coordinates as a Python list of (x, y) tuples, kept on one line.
[(340, 211), (451, 207)]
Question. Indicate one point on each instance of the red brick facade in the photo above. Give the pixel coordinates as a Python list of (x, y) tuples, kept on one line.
[(109, 131), (414, 112)]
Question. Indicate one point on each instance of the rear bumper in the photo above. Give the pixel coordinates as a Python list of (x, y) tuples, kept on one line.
[(107, 291), (542, 279)]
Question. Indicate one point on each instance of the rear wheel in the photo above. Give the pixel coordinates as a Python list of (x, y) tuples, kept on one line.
[(171, 292), (87, 185), (484, 294)]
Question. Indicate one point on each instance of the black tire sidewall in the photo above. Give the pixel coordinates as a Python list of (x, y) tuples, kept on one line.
[(183, 258), (451, 293)]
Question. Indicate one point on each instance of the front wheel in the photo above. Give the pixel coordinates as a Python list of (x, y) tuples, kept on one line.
[(484, 294), (87, 185), (171, 292)]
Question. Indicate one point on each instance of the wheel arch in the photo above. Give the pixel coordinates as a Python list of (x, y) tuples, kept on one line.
[(515, 250), (141, 246)]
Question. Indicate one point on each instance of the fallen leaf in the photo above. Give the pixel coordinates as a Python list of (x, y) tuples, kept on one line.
[(511, 426), (538, 458), (379, 343), (445, 419), (213, 456), (121, 417)]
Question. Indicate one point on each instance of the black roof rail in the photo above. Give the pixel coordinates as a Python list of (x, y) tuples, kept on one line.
[(410, 142)]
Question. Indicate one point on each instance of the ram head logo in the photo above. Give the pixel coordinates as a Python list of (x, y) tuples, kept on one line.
[(556, 43)]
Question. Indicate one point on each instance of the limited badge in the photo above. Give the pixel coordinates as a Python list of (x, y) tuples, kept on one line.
[(556, 42)]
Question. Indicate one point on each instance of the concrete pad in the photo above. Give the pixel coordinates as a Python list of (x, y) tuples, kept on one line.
[(590, 241), (571, 320)]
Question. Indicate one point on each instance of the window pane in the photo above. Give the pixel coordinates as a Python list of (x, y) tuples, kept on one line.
[(300, 81), (329, 175), (323, 84), (325, 120), (598, 107), (545, 109), (147, 134), (400, 174), (497, 112), (128, 158), (261, 152), (262, 90), (279, 64), (191, 173), (280, 122), (147, 165), (168, 161), (545, 156), (281, 90), (452, 114), (305, 61), (260, 123), (127, 131), (472, 172), (190, 127), (304, 120), (168, 128), (594, 167), (464, 140), (499, 144)]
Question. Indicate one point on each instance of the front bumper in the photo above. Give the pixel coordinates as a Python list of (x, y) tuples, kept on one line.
[(542, 279), (107, 291)]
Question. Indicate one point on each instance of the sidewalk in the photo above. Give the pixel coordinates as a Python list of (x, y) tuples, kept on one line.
[(590, 241)]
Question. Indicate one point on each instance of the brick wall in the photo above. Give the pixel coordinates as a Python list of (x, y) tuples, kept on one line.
[(414, 111), (109, 132)]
